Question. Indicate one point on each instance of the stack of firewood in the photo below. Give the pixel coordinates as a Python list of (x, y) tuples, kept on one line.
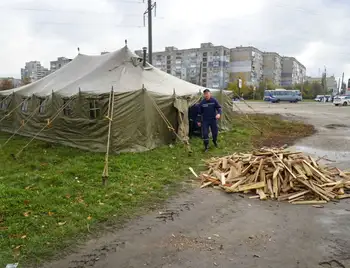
[(277, 174)]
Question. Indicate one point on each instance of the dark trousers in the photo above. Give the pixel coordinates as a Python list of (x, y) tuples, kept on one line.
[(213, 125)]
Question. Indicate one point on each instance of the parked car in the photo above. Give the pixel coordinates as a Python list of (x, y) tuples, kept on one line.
[(321, 98), (341, 101)]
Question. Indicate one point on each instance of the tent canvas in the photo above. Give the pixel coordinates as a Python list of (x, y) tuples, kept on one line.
[(70, 105)]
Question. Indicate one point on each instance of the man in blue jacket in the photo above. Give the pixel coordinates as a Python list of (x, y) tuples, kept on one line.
[(209, 112)]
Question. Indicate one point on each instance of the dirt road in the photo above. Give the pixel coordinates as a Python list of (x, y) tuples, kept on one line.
[(207, 228)]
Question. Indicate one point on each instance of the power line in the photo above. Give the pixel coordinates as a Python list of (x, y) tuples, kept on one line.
[(64, 11)]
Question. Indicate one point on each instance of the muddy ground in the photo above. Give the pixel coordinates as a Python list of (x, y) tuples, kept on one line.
[(207, 228)]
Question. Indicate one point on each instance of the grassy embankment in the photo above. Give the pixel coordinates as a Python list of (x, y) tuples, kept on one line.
[(52, 195)]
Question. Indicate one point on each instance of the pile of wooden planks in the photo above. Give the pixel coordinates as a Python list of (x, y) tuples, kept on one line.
[(277, 174)]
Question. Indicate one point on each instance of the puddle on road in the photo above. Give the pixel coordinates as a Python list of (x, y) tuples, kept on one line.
[(331, 155)]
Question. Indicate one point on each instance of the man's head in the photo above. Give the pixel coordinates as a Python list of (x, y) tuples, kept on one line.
[(207, 94)]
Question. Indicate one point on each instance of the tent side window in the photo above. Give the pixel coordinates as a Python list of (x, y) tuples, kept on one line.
[(94, 109), (24, 106), (42, 103), (67, 110), (3, 103)]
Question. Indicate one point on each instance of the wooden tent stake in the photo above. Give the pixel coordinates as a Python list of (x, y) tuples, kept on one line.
[(110, 118)]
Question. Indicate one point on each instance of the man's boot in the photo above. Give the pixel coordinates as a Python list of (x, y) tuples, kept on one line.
[(215, 144), (206, 147)]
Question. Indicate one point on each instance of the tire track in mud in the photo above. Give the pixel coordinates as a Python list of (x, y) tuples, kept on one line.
[(170, 214)]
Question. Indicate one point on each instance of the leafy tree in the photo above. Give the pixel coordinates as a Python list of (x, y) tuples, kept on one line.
[(245, 90), (6, 84), (26, 81)]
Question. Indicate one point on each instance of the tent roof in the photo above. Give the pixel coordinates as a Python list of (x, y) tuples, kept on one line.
[(121, 69)]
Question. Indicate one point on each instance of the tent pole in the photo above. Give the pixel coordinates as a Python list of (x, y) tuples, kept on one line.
[(110, 118)]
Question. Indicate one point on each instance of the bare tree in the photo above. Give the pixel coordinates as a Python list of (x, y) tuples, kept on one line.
[(6, 84)]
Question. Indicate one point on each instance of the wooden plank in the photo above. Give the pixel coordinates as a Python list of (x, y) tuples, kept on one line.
[(233, 187), (309, 202), (261, 194), (224, 164), (251, 186), (206, 184), (233, 173), (307, 169), (317, 172), (343, 196), (269, 186), (275, 182), (298, 194), (222, 179), (281, 161), (192, 171), (313, 162), (257, 173), (313, 189)]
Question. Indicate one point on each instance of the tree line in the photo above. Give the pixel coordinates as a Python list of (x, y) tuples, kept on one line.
[(7, 83)]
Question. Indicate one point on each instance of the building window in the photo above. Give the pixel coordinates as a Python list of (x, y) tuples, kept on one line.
[(204, 70), (24, 106), (205, 59), (168, 62), (3, 104), (42, 106), (168, 71), (67, 110), (94, 109)]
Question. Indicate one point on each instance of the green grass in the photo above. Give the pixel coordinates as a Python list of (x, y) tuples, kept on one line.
[(52, 195)]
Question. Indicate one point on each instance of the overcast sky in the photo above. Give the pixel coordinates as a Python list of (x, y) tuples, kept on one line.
[(316, 32)]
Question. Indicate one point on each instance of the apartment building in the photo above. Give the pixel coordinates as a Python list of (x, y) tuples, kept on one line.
[(59, 63), (332, 85), (206, 66), (34, 71), (293, 72), (247, 64), (272, 67)]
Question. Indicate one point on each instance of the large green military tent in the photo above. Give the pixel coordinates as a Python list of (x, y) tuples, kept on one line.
[(70, 106)]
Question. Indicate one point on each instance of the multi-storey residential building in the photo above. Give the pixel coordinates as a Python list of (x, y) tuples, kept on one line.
[(34, 71), (215, 66), (293, 72), (59, 63), (272, 69), (247, 64), (206, 66), (332, 85)]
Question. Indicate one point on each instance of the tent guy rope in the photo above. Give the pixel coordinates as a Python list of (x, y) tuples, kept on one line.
[(22, 125), (169, 125), (249, 106), (7, 115), (47, 124)]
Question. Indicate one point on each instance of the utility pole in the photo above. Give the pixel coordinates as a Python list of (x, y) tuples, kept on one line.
[(342, 81), (324, 79), (338, 89), (150, 7)]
